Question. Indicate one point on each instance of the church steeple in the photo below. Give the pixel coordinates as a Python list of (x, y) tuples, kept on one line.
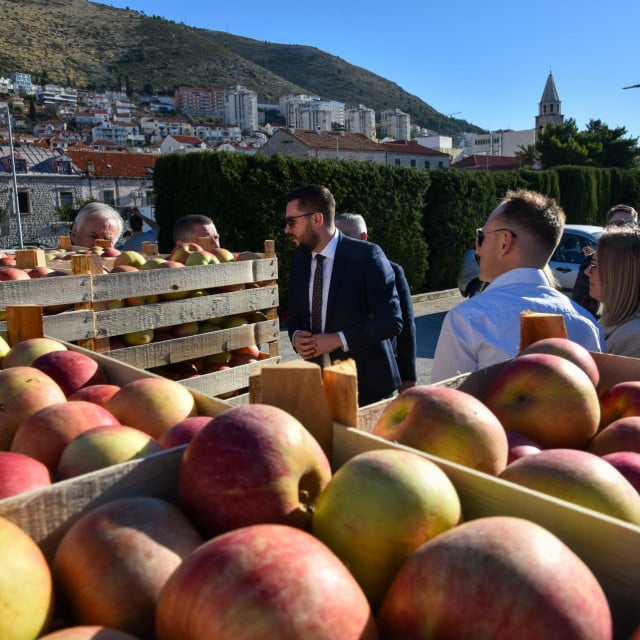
[(549, 111)]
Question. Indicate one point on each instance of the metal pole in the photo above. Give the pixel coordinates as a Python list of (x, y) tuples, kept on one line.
[(16, 203)]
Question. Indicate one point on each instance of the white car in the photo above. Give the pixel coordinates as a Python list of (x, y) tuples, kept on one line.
[(565, 262)]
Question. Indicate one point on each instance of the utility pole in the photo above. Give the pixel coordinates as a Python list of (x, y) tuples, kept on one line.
[(16, 202)]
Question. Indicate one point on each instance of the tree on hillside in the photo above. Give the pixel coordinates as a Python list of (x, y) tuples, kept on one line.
[(596, 146)]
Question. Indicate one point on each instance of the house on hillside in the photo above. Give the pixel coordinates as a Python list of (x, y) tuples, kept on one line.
[(405, 153)]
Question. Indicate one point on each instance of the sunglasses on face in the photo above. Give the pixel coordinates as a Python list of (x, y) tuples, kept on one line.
[(289, 221), (480, 234)]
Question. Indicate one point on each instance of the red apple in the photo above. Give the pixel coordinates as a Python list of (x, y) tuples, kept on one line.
[(520, 445), (70, 369), (110, 252), (8, 261), (88, 632), (26, 587), (39, 272), (182, 250), (251, 464), (183, 432), (547, 398), (123, 268), (570, 350), (579, 477), (622, 434), (448, 423), (185, 329), (23, 392), (497, 577), (628, 464), (620, 401), (378, 508), (46, 433), (97, 393), (23, 353), (13, 273), (263, 581), (152, 404), (20, 473), (111, 565)]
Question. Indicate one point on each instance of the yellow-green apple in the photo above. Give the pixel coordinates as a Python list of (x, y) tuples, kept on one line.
[(263, 581), (223, 255), (183, 432), (23, 392), (628, 464), (520, 445), (111, 565), (39, 272), (136, 338), (448, 423), (70, 369), (13, 273), (579, 477), (251, 464), (88, 632), (131, 258), (547, 398), (20, 473), (185, 329), (236, 320), (102, 447), (199, 258), (152, 404), (378, 508), (213, 324), (46, 433), (214, 361), (182, 250), (97, 393), (622, 434), (26, 586), (152, 263), (23, 353), (495, 577), (620, 401), (4, 349)]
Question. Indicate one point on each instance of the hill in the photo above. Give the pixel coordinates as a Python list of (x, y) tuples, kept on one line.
[(92, 45)]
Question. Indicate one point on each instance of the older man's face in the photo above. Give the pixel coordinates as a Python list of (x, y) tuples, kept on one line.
[(94, 228)]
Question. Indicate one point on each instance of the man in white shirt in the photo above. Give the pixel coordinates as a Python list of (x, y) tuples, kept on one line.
[(513, 248)]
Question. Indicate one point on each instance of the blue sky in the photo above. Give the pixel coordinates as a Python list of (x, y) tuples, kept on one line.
[(488, 60)]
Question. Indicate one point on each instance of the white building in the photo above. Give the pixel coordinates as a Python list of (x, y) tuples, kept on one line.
[(241, 108), (361, 120), (311, 112), (497, 143), (22, 83), (395, 124)]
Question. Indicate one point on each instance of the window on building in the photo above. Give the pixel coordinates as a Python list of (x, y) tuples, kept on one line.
[(65, 198), (397, 161), (440, 164), (413, 163), (109, 197), (24, 203), (64, 167), (21, 165), (427, 164), (150, 197)]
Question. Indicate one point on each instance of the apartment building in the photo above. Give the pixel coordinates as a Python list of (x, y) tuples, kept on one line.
[(241, 108), (395, 124), (361, 120), (200, 102)]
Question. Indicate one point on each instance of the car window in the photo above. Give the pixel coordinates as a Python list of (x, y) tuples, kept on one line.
[(571, 248)]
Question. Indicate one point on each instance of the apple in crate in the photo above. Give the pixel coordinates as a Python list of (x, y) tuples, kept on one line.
[(251, 464), (23, 392), (88, 632), (448, 423), (520, 445), (498, 578), (45, 434), (26, 586), (223, 255), (263, 582), (183, 250), (97, 393), (579, 477), (183, 432), (199, 258), (13, 273), (152, 404), (137, 338), (547, 398), (20, 473), (102, 447), (622, 434), (23, 353), (130, 258), (620, 401), (628, 464), (378, 508), (39, 272), (70, 369), (111, 565)]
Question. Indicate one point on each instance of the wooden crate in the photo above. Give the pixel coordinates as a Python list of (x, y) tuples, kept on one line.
[(92, 324)]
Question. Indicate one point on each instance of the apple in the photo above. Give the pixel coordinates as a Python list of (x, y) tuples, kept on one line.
[(46, 433), (152, 263), (116, 342), (168, 264), (620, 401), (622, 434), (97, 393), (448, 423), (251, 464), (495, 577), (23, 353), (13, 273), (23, 392), (88, 632), (4, 349), (378, 508), (183, 432), (520, 445), (152, 404), (214, 324), (579, 477), (39, 272), (201, 257), (136, 338), (110, 252), (20, 473), (70, 369), (263, 581), (102, 447), (547, 398), (572, 351), (8, 261), (223, 255), (112, 563), (131, 258), (178, 370), (182, 250), (123, 268), (185, 329), (26, 585), (237, 320), (628, 464)]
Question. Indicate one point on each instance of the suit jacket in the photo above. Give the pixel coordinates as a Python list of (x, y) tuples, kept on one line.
[(363, 303), (405, 343)]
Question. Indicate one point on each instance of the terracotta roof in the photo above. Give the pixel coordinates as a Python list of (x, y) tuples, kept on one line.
[(106, 163), (491, 163), (192, 140), (409, 146), (331, 139)]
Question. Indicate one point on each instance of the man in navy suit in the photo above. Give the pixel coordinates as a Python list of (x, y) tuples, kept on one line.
[(355, 226), (360, 305)]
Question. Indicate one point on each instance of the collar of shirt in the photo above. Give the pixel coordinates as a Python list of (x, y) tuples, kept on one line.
[(329, 251)]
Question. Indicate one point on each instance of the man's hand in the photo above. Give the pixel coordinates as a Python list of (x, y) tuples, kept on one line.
[(305, 344)]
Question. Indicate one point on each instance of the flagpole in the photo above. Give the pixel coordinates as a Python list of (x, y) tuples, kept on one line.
[(16, 203)]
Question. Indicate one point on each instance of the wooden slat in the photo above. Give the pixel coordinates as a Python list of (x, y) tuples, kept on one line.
[(45, 291)]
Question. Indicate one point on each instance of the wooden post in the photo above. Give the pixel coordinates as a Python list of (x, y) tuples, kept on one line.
[(29, 258), (149, 248), (104, 243), (24, 322), (64, 242), (272, 314)]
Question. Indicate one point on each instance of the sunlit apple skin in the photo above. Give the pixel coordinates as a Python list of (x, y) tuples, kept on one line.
[(72, 370), (620, 401), (378, 508), (263, 582), (131, 258), (39, 272), (20, 473), (579, 477), (23, 392), (111, 565), (26, 586), (447, 423), (628, 464), (123, 268), (497, 578), (88, 632), (13, 273), (152, 405), (251, 464), (97, 393), (547, 398), (183, 432), (622, 434), (136, 338), (520, 445), (223, 255), (23, 353), (183, 250), (199, 258)]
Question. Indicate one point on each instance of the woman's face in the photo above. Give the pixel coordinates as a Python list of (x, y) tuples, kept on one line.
[(593, 272)]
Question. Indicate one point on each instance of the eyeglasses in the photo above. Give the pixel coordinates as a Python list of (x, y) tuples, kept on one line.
[(289, 221), (480, 234), (594, 263), (623, 223)]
